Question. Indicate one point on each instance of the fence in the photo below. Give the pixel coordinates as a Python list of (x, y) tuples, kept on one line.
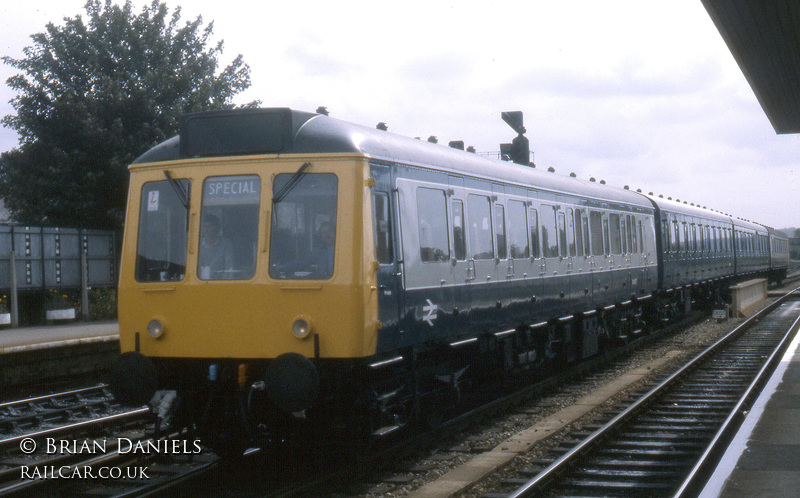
[(44, 258)]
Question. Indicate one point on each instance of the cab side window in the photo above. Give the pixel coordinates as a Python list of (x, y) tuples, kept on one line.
[(383, 229)]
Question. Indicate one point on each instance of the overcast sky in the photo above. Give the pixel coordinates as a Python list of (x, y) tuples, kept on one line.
[(637, 93)]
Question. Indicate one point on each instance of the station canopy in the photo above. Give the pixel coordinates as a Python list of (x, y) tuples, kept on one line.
[(764, 38)]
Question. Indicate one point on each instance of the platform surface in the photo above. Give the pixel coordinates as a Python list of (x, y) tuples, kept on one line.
[(764, 458), (27, 336)]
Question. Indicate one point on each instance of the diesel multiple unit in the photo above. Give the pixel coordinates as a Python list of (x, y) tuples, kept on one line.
[(285, 272)]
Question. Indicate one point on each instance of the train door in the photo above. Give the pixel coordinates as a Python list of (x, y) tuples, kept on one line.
[(424, 226), (481, 265), (388, 258), (581, 269), (552, 267), (461, 271)]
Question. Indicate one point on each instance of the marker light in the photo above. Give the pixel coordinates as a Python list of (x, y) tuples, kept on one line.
[(155, 328), (301, 328)]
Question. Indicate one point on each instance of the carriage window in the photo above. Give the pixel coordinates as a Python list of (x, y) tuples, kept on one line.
[(606, 236), (702, 245), (517, 230), (596, 224), (562, 234), (585, 229), (676, 241), (631, 222), (616, 241), (641, 238), (685, 246), (623, 235), (500, 227), (303, 233), (571, 232), (533, 219), (229, 228), (163, 231), (383, 229), (432, 215), (459, 235), (480, 227), (549, 232), (578, 233)]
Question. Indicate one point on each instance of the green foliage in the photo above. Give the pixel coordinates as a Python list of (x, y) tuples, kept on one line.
[(96, 93), (102, 304)]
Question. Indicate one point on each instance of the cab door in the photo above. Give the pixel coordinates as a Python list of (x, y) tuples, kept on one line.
[(389, 262)]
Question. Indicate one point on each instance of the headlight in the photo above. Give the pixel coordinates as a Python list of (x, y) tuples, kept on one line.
[(301, 327), (155, 328)]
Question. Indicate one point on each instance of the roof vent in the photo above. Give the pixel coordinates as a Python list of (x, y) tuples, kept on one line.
[(551, 169), (457, 144), (573, 175), (432, 139), (382, 126), (322, 110)]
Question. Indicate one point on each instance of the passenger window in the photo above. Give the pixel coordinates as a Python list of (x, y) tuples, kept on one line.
[(676, 242), (623, 235), (229, 227), (432, 215), (631, 223), (533, 219), (685, 244), (606, 236), (585, 229), (517, 230), (616, 245), (303, 232), (163, 231), (459, 235), (641, 238), (500, 227), (596, 224), (578, 233), (549, 233), (571, 232), (562, 235), (383, 229), (480, 227)]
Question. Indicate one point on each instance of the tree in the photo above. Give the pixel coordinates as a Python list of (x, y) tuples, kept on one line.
[(97, 93)]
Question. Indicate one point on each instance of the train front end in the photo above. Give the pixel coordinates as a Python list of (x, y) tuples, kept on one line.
[(244, 288)]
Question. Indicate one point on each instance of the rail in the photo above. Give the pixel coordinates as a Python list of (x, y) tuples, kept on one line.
[(562, 465)]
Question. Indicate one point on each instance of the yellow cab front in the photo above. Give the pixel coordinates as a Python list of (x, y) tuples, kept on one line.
[(249, 257)]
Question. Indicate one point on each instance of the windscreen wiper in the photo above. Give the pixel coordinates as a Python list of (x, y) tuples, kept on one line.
[(179, 190), (293, 181)]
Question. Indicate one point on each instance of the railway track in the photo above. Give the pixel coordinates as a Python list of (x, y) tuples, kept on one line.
[(365, 464), (80, 442), (665, 442)]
